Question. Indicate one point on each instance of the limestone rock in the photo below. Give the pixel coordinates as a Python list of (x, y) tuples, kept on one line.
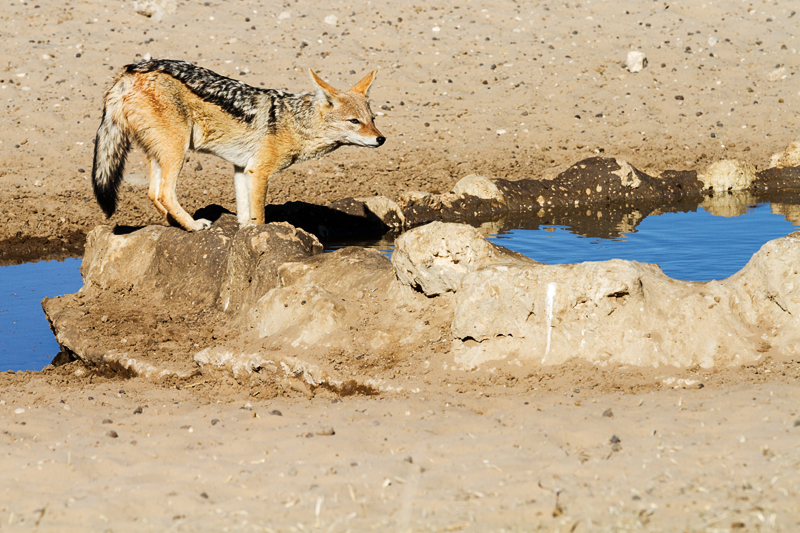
[(256, 254), (435, 257), (628, 176), (415, 197), (788, 158), (155, 9), (728, 175), (479, 186), (636, 61), (385, 209), (626, 312)]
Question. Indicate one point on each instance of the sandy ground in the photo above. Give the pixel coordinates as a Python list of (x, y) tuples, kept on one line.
[(567, 450), (502, 88)]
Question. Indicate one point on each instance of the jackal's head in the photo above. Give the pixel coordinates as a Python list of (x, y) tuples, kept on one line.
[(347, 118)]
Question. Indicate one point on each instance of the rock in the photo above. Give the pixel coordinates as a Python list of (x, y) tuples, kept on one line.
[(636, 61), (385, 209), (625, 312), (344, 302), (479, 186), (256, 254), (727, 175), (331, 20), (415, 197), (155, 9), (788, 158), (777, 74), (628, 175), (435, 257)]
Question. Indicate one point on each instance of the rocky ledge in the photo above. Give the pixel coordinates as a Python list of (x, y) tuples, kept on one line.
[(265, 304)]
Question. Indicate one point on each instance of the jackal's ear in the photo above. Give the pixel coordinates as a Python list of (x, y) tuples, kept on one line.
[(324, 91), (363, 86)]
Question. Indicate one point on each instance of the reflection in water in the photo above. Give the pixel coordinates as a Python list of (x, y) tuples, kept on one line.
[(700, 239)]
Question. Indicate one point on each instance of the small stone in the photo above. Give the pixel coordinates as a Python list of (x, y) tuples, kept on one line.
[(326, 431), (614, 439), (275, 412), (331, 20), (408, 459), (111, 433), (636, 61), (777, 74), (138, 410), (204, 495), (797, 423), (608, 414), (107, 421), (214, 421)]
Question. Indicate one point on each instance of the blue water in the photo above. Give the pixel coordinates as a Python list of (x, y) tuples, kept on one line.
[(26, 342), (695, 246)]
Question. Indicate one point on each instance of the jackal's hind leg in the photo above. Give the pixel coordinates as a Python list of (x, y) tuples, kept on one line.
[(170, 162), (155, 187)]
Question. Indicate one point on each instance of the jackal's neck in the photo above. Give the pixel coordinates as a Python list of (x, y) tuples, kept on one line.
[(310, 127)]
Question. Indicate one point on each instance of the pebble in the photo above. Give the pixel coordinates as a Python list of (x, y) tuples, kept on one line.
[(608, 413), (331, 20), (111, 433), (107, 421), (636, 61), (797, 423), (777, 74), (138, 410), (214, 421), (275, 412), (326, 431), (408, 459)]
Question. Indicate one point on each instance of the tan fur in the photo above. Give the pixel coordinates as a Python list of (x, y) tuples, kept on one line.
[(166, 118)]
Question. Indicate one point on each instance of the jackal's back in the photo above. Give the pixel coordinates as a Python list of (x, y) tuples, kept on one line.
[(234, 97)]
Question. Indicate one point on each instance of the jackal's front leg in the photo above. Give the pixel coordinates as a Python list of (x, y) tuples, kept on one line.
[(251, 192)]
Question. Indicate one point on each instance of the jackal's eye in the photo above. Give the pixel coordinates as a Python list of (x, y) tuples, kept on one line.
[(355, 121)]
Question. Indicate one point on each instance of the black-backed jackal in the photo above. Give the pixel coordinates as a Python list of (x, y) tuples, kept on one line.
[(168, 107)]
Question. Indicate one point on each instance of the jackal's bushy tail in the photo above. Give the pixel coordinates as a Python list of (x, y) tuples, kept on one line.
[(111, 147)]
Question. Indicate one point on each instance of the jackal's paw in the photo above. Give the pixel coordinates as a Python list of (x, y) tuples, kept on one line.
[(200, 224)]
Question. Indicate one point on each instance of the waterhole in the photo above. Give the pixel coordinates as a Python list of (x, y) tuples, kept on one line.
[(689, 241)]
